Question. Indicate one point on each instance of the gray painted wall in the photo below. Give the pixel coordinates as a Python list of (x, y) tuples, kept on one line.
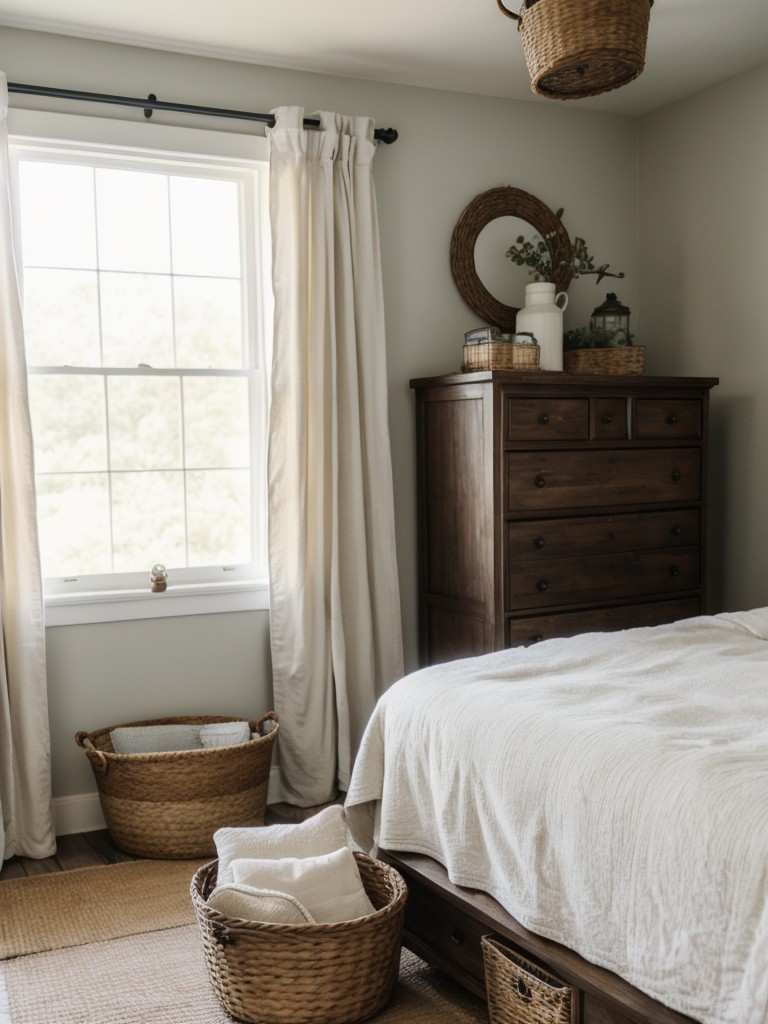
[(704, 264)]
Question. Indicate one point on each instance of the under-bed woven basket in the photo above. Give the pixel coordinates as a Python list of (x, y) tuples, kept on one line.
[(521, 992), (168, 805), (578, 48), (308, 973), (619, 360)]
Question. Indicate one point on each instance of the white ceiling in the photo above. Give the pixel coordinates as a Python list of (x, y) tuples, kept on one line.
[(461, 45)]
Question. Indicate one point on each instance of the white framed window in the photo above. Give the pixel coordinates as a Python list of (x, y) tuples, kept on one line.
[(147, 305)]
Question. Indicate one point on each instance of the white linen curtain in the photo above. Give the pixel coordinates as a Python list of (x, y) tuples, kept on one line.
[(334, 600), (26, 817)]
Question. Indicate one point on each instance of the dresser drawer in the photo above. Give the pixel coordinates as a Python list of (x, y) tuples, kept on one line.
[(622, 574), (668, 417), (546, 419), (534, 628), (538, 481), (595, 535)]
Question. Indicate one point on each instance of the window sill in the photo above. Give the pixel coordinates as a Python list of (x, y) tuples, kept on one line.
[(180, 600)]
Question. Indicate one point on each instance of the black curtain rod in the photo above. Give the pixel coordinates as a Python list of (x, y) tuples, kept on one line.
[(387, 135)]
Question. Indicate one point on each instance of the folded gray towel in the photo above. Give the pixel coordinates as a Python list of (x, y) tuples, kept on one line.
[(155, 739), (224, 734)]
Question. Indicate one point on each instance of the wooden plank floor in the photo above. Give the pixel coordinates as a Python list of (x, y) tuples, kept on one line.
[(90, 849), (84, 850)]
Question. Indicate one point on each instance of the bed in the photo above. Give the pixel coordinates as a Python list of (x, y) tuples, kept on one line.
[(601, 801)]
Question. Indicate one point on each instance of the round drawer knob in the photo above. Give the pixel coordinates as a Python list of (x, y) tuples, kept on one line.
[(607, 417), (543, 419), (541, 586), (457, 936), (676, 475), (672, 419), (677, 530), (674, 570), (535, 639), (540, 481), (539, 542)]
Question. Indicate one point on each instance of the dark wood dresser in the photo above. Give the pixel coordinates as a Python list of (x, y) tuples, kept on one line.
[(552, 504)]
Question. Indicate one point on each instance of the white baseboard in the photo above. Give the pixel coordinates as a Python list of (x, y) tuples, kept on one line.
[(82, 812), (79, 813)]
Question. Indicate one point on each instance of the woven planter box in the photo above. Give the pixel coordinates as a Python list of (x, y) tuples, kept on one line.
[(168, 805), (500, 355), (521, 992), (627, 359), (309, 973)]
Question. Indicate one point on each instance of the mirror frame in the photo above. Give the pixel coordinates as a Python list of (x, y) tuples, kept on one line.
[(504, 201)]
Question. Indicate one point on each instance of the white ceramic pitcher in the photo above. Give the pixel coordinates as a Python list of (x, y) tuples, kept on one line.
[(542, 315)]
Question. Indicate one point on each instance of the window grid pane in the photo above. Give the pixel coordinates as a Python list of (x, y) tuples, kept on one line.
[(137, 463)]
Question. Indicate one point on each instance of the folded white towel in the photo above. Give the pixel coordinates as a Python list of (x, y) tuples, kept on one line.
[(224, 734), (329, 886), (251, 904), (155, 739)]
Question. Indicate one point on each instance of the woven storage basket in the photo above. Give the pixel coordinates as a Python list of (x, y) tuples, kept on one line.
[(168, 805), (521, 992), (309, 973), (500, 355), (577, 48), (624, 359)]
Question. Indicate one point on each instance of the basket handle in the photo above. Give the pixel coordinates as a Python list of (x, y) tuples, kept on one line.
[(221, 933), (99, 762), (271, 716), (510, 14)]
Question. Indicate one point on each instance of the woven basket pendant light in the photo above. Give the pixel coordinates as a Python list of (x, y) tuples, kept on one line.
[(578, 48)]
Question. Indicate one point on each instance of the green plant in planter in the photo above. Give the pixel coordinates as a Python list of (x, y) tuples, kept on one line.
[(594, 337), (534, 253)]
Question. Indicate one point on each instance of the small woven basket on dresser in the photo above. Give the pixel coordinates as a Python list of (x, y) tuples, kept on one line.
[(500, 355), (624, 359), (521, 992), (168, 805), (310, 973)]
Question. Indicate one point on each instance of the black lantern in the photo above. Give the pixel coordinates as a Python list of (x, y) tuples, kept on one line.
[(612, 320)]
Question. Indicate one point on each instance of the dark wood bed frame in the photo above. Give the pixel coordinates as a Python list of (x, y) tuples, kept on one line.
[(444, 925)]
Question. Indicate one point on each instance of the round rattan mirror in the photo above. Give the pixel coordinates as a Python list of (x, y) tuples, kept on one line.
[(504, 201)]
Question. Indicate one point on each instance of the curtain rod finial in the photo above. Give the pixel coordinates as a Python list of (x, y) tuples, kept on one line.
[(388, 135)]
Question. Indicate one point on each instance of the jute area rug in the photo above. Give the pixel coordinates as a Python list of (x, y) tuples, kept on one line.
[(120, 945)]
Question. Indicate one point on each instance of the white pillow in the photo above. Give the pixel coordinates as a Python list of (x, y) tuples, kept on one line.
[(250, 904), (224, 734), (329, 886), (324, 832), (155, 739)]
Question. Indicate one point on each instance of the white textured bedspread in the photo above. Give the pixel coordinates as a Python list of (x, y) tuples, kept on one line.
[(609, 790)]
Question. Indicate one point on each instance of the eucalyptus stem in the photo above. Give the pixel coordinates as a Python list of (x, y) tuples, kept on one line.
[(535, 254)]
